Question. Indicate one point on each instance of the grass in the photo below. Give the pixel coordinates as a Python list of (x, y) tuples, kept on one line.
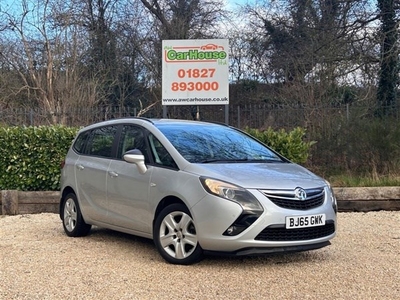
[(363, 181)]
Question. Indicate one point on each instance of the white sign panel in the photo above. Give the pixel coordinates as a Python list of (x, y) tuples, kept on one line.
[(195, 72)]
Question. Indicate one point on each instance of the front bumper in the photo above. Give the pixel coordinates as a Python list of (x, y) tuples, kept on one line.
[(269, 250), (213, 215)]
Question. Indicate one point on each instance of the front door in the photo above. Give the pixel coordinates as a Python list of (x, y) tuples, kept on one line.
[(127, 189)]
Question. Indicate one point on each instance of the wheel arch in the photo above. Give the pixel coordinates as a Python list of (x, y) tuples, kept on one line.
[(166, 201), (67, 190), (169, 238)]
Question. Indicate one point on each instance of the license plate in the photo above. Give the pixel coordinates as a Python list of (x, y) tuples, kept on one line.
[(305, 221)]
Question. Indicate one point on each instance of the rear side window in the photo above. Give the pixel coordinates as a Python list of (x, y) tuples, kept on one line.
[(80, 142), (101, 141)]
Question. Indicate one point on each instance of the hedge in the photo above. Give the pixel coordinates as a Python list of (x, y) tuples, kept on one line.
[(289, 144), (30, 157)]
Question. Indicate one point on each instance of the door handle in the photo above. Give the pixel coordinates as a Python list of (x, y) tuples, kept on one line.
[(80, 167), (113, 174)]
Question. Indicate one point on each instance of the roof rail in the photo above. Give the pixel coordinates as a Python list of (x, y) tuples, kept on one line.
[(140, 118), (217, 122)]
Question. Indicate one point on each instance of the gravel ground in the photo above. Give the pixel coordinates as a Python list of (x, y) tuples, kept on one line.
[(38, 261)]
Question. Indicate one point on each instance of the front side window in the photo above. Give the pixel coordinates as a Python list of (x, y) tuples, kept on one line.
[(132, 137), (160, 155), (101, 141), (199, 143)]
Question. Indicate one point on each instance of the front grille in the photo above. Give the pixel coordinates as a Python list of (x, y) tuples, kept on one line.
[(299, 234), (286, 198)]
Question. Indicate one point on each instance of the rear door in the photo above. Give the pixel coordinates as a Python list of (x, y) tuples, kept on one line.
[(91, 173)]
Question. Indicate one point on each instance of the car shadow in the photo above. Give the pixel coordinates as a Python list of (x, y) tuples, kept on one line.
[(104, 233), (269, 259), (145, 247)]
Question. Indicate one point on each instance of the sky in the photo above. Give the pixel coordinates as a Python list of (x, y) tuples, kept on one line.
[(10, 4), (7, 5)]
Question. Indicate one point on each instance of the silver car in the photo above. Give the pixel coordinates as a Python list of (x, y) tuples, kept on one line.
[(194, 188)]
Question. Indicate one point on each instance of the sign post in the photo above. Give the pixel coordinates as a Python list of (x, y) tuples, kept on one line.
[(195, 72)]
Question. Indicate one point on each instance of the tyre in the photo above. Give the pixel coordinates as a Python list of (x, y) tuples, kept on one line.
[(175, 236), (73, 222)]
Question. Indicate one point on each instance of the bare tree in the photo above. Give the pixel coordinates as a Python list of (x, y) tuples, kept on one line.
[(302, 42), (324, 32), (117, 48), (45, 58), (389, 69), (186, 19)]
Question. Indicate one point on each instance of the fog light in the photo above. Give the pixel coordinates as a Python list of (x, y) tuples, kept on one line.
[(241, 224), (234, 230), (230, 230)]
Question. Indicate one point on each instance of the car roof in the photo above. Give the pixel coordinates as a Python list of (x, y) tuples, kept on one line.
[(142, 121)]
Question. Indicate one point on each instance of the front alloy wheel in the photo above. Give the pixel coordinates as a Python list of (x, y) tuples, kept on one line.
[(175, 236)]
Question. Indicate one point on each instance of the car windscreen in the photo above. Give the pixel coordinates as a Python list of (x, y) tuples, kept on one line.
[(213, 143)]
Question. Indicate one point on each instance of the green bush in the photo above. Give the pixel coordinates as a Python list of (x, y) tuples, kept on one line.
[(289, 144), (30, 157)]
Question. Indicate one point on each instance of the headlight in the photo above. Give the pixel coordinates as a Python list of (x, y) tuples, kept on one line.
[(231, 192), (332, 196)]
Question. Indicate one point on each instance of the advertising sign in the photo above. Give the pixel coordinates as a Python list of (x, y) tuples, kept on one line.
[(195, 72)]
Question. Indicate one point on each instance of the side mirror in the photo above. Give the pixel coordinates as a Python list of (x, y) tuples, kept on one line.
[(136, 157)]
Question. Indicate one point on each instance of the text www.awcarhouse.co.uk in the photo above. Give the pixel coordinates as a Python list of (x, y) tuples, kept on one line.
[(194, 100)]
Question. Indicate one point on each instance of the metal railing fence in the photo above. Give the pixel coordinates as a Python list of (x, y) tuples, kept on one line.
[(254, 116)]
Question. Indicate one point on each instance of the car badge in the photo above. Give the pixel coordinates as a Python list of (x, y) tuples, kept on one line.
[(300, 194)]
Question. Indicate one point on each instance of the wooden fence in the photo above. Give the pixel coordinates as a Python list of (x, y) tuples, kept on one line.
[(349, 199)]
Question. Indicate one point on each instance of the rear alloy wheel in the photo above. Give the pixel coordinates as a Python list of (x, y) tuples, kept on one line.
[(175, 236), (73, 222)]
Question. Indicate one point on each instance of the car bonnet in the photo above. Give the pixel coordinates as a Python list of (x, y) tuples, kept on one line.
[(259, 175)]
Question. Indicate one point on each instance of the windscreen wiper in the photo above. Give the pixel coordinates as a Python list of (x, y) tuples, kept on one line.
[(238, 160), (266, 160), (219, 160)]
